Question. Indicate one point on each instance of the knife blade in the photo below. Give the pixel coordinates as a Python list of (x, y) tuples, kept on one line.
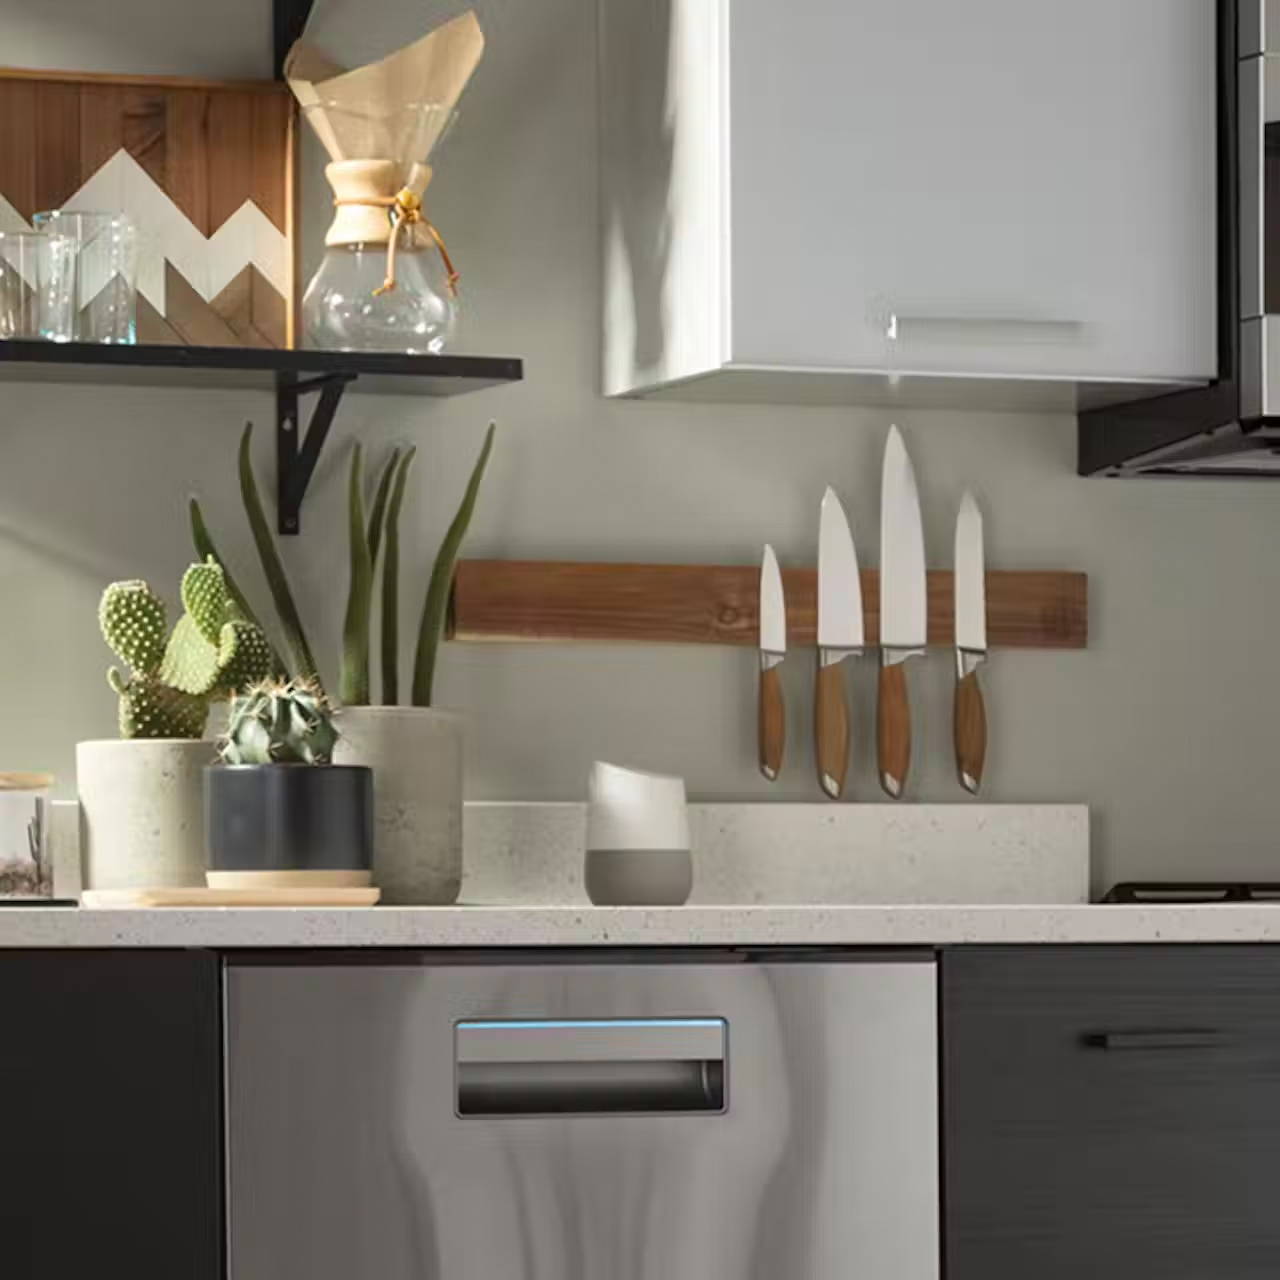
[(903, 610), (773, 649), (969, 721), (839, 637)]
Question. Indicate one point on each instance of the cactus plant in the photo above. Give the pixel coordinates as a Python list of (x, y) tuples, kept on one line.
[(280, 722), (134, 623), (211, 653)]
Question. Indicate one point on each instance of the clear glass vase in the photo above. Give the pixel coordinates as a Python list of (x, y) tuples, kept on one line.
[(343, 310)]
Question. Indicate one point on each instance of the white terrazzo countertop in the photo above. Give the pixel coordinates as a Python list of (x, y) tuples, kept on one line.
[(577, 926)]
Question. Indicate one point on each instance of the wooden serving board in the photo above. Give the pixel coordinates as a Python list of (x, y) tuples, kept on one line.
[(206, 170), (127, 899), (719, 604)]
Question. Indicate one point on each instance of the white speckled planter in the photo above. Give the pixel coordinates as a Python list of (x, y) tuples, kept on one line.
[(142, 812), (416, 757)]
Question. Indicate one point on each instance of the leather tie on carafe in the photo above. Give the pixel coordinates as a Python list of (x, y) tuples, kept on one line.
[(405, 208)]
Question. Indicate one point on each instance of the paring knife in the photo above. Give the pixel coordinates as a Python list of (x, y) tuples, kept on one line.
[(970, 717), (839, 637), (904, 627), (773, 649)]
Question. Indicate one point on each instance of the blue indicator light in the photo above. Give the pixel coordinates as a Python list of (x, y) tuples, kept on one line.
[(578, 1024)]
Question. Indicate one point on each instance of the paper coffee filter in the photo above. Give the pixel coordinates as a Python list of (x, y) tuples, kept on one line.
[(403, 101)]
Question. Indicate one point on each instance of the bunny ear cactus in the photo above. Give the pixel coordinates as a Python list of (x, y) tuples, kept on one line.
[(134, 623), (211, 653), (205, 597), (149, 708)]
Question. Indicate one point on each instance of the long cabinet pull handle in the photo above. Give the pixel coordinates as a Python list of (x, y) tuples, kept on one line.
[(962, 329), (1152, 1040)]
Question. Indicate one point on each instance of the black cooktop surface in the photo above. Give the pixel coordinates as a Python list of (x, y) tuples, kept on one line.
[(1180, 892)]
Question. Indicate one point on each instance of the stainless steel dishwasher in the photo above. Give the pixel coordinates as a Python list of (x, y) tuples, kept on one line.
[(553, 1117)]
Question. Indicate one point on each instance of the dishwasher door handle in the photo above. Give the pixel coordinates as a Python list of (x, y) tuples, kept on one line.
[(590, 1066)]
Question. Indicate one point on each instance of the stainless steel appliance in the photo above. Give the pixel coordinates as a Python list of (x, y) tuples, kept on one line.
[(555, 1117), (1231, 427)]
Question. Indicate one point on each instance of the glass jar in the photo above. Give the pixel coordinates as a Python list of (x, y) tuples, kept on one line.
[(106, 272), (37, 286), (26, 855)]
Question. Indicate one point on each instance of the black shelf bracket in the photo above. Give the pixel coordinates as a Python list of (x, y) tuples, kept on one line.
[(288, 18), (297, 453)]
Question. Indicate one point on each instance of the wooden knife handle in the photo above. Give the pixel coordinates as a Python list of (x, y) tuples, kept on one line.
[(773, 723), (970, 728), (831, 728), (893, 729)]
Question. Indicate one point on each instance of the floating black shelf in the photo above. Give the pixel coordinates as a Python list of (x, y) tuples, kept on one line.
[(258, 368), (290, 374)]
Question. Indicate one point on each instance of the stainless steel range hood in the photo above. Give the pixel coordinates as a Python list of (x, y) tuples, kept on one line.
[(1232, 427)]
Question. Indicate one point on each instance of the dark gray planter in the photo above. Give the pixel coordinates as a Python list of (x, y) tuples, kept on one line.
[(288, 817)]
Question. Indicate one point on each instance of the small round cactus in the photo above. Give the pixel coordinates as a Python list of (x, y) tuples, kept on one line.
[(278, 722)]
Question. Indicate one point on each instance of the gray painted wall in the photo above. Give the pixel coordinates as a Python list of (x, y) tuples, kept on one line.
[(1166, 727)]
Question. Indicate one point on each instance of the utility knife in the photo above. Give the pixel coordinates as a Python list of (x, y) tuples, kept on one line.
[(773, 649), (904, 627), (970, 716), (839, 637)]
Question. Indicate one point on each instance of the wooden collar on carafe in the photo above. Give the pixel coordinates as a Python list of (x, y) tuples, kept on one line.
[(363, 185)]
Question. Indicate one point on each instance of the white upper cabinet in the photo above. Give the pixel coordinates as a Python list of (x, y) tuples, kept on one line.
[(808, 199)]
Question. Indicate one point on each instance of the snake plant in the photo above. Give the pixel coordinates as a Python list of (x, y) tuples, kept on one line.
[(371, 535)]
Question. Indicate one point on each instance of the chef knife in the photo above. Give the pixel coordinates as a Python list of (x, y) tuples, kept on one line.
[(839, 637), (773, 648), (970, 716), (903, 610)]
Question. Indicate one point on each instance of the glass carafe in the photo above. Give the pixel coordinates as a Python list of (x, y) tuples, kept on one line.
[(386, 283)]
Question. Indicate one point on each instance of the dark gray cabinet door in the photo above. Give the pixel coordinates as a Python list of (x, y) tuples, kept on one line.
[(110, 1115), (1112, 1113)]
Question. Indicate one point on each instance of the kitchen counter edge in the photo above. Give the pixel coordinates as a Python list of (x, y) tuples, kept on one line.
[(586, 926)]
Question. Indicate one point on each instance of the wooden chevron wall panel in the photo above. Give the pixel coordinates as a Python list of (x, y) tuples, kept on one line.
[(207, 169)]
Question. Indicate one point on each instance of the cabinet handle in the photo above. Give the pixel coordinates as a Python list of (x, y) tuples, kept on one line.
[(1151, 1040), (983, 329)]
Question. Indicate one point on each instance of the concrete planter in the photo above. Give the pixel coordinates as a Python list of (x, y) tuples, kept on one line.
[(416, 757), (142, 812)]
